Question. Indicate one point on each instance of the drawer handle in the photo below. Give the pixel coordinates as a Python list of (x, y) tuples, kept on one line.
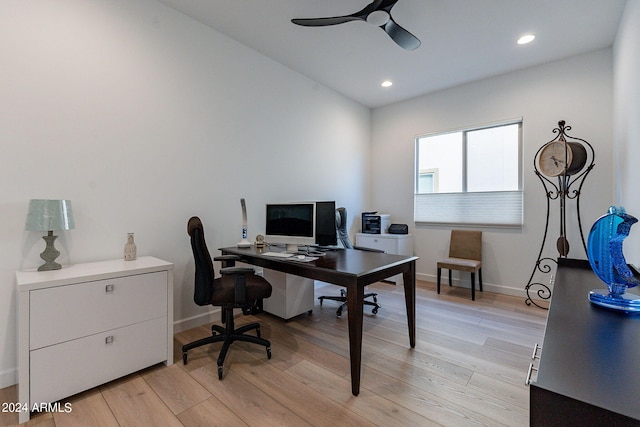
[(108, 289), (535, 355), (527, 380), (109, 339)]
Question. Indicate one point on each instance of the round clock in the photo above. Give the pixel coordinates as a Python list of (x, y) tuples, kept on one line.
[(558, 157)]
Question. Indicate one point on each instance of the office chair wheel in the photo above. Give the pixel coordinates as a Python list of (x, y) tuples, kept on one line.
[(184, 357), (374, 311), (220, 372), (269, 353), (339, 312)]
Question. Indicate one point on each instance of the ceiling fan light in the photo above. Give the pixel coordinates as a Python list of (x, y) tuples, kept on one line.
[(527, 38), (378, 18)]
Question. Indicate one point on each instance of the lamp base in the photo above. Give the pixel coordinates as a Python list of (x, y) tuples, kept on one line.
[(244, 243), (50, 254)]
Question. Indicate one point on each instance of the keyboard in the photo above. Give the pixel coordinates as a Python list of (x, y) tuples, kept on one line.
[(278, 254)]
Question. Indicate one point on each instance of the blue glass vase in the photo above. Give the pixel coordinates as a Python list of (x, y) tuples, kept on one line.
[(604, 249)]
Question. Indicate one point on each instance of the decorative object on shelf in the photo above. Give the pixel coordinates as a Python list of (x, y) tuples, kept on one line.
[(260, 241), (49, 216), (130, 248), (569, 160), (607, 261)]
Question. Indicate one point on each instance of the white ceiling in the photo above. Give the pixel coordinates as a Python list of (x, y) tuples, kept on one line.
[(462, 40)]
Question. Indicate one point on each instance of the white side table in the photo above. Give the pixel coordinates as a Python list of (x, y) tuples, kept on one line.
[(398, 244), (87, 324)]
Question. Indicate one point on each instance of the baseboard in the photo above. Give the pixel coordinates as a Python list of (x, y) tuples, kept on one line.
[(194, 321), (498, 289), (8, 378)]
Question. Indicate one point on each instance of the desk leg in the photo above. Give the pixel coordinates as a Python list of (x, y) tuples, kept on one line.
[(355, 303), (410, 301)]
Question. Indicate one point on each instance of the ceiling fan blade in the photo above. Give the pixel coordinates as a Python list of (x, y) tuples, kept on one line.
[(361, 15), (378, 12), (322, 22), (386, 5), (373, 6), (402, 37)]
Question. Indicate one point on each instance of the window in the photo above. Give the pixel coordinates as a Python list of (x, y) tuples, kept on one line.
[(471, 176), (428, 180)]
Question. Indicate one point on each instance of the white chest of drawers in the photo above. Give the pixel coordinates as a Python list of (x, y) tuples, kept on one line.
[(91, 323), (397, 244)]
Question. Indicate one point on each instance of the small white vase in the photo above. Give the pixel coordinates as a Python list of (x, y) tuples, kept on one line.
[(130, 248)]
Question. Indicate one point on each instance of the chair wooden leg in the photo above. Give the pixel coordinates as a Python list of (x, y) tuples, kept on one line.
[(450, 282), (473, 286), (480, 278), (438, 283)]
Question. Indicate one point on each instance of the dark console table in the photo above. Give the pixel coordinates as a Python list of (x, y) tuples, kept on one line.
[(589, 370)]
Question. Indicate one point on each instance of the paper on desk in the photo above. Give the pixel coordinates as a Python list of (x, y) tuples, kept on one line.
[(306, 259)]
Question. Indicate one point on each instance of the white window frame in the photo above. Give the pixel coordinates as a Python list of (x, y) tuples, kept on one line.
[(502, 209), (435, 176)]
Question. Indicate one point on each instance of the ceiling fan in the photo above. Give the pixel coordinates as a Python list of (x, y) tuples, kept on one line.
[(377, 13)]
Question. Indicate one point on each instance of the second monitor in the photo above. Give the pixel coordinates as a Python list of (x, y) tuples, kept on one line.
[(301, 223)]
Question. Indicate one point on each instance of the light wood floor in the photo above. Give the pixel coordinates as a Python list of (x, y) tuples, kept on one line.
[(468, 368)]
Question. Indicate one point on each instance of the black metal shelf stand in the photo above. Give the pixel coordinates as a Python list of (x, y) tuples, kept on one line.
[(567, 188)]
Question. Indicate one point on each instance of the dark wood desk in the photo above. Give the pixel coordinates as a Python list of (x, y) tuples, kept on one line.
[(354, 270), (588, 373)]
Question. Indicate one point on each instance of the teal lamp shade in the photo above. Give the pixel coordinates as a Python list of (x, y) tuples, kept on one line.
[(49, 215)]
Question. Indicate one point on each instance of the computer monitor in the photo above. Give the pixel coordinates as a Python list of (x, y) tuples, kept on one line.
[(326, 234), (300, 223)]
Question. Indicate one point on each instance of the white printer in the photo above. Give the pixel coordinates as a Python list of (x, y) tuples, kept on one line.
[(375, 223)]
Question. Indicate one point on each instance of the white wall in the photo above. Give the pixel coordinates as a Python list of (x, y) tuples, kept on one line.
[(577, 90), (143, 117), (627, 122)]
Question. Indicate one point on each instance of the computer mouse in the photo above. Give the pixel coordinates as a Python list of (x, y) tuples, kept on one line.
[(300, 256)]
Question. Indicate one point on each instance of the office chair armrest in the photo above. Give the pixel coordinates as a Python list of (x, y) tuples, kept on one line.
[(362, 248), (236, 271), (227, 260)]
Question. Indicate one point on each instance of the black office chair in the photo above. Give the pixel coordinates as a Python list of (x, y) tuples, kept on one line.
[(238, 287), (345, 242)]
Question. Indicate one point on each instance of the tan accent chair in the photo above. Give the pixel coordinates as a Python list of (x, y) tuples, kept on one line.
[(465, 254)]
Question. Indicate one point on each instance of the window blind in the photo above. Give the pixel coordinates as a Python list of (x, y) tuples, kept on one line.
[(491, 208)]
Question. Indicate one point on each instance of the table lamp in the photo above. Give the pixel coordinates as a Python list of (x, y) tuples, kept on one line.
[(49, 215)]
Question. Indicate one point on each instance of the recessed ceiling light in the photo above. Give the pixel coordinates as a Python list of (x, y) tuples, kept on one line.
[(386, 83), (527, 38)]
